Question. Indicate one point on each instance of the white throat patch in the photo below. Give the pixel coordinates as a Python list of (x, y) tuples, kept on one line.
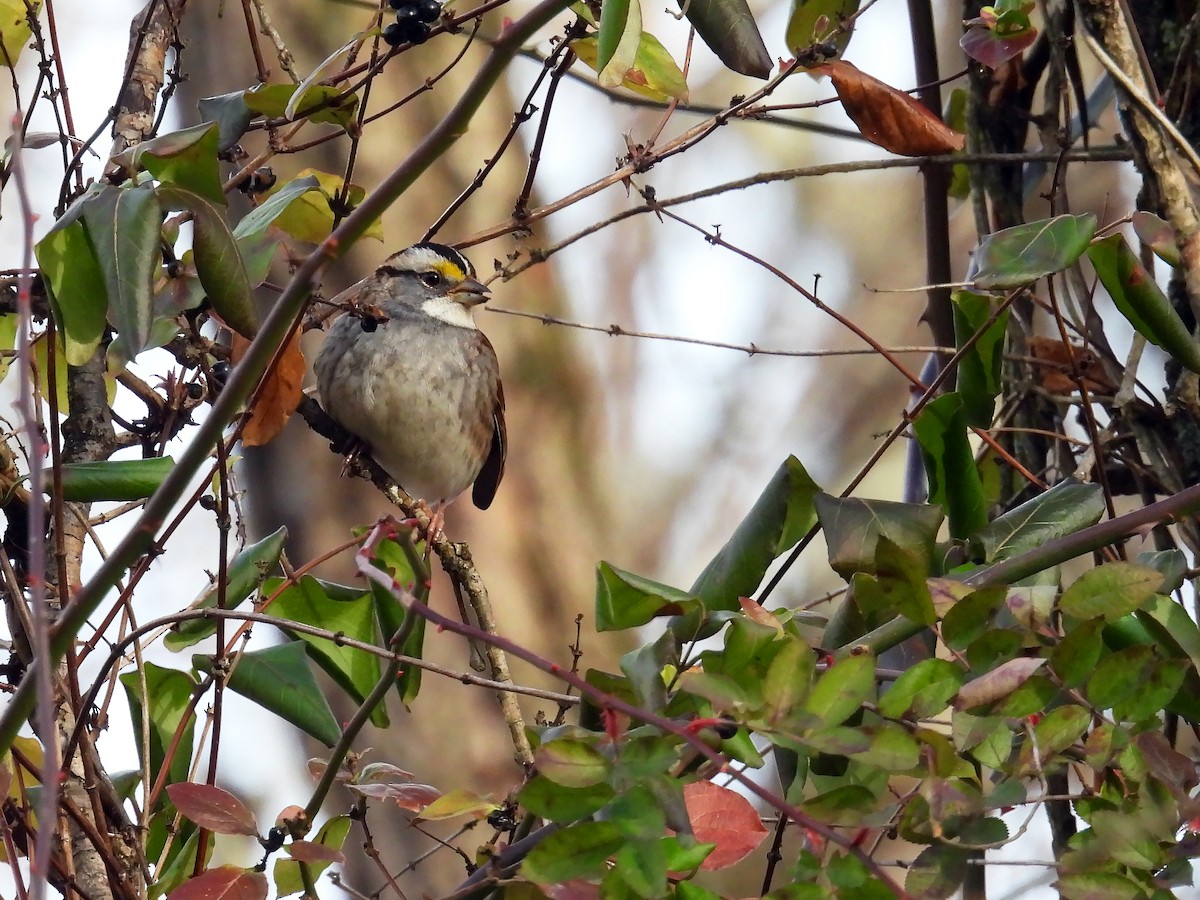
[(446, 310)]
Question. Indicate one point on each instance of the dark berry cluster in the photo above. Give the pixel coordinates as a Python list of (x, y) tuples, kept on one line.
[(413, 18)]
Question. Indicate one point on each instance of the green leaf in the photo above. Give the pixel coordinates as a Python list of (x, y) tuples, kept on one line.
[(644, 669), (617, 39), (806, 14), (580, 851), (686, 856), (837, 805), (625, 600), (853, 526), (572, 763), (218, 260), (979, 368), (1155, 692), (1076, 655), (638, 813), (124, 225), (1157, 234), (231, 115), (181, 861), (72, 270), (1098, 886), (937, 872), (842, 690), (126, 479), (278, 101), (652, 73), (258, 220), (642, 866), (1118, 675), (1064, 509), (727, 28), (309, 214), (1112, 590), (167, 699), (287, 877), (1060, 728), (1173, 626), (14, 28), (787, 680), (925, 689), (245, 573), (559, 803), (901, 578), (1017, 256), (1171, 564), (279, 680), (355, 671), (780, 517), (892, 749), (184, 159), (967, 620), (1141, 301)]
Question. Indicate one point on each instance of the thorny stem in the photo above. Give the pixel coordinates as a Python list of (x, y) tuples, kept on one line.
[(43, 666)]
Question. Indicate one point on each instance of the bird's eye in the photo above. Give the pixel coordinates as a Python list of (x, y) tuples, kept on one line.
[(431, 279)]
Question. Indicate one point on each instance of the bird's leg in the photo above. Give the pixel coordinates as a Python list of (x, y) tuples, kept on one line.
[(352, 449), (437, 518)]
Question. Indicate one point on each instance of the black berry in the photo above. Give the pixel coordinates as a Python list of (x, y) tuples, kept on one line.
[(428, 10), (393, 35), (406, 14), (412, 30)]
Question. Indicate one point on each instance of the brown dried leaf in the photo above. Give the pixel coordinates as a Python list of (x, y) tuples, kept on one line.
[(998, 683), (888, 117), (1057, 359), (280, 394)]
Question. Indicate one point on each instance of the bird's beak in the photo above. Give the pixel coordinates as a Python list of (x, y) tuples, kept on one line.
[(470, 292)]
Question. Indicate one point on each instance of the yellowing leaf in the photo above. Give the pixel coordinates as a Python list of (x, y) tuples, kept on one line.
[(459, 803), (309, 217), (14, 27), (652, 74)]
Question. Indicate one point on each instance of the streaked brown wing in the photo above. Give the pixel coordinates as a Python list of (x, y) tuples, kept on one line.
[(489, 477)]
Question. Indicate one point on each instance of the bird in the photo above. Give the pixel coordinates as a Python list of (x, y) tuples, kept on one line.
[(407, 371)]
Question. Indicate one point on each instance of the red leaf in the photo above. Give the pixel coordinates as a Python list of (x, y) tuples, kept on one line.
[(212, 808), (989, 48), (725, 818), (888, 117), (755, 612), (410, 796), (222, 883), (311, 852)]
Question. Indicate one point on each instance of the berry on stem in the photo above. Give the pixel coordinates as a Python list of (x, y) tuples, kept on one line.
[(428, 10)]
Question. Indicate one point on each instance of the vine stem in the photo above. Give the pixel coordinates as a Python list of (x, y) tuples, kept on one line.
[(1040, 558)]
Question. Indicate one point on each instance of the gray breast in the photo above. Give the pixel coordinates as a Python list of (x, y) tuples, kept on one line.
[(421, 394)]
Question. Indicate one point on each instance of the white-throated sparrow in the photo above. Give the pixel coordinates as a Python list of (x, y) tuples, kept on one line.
[(408, 372)]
